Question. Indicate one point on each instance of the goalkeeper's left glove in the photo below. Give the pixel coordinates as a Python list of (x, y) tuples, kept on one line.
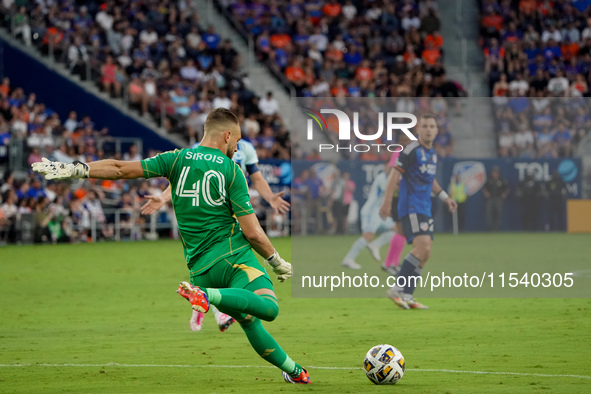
[(281, 267), (58, 170)]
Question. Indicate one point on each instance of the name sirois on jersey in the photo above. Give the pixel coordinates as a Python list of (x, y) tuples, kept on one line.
[(207, 157)]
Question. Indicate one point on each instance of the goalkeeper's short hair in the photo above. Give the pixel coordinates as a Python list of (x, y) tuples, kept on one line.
[(220, 119)]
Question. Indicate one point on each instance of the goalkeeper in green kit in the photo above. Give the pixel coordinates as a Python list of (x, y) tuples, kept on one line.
[(218, 230)]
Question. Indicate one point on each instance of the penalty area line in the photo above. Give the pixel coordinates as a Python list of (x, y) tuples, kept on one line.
[(270, 366)]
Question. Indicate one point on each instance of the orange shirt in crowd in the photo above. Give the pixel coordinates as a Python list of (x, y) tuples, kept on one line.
[(527, 6), (340, 92), (80, 193), (436, 40), (430, 56), (494, 20), (332, 10), (4, 90), (364, 74), (545, 8), (409, 57), (294, 73), (280, 40), (334, 54), (569, 50)]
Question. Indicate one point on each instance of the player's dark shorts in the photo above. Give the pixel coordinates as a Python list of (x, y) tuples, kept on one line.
[(395, 209), (415, 224)]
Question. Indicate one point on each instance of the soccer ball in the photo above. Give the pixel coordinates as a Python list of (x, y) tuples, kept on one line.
[(384, 364)]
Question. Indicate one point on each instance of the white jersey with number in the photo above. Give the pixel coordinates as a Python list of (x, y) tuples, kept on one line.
[(245, 155)]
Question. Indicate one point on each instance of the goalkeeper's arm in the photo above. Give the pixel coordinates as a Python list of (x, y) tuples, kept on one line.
[(102, 169), (115, 169), (254, 233)]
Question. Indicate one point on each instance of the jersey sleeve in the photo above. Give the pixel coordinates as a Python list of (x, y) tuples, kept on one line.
[(405, 160), (160, 165), (250, 154), (250, 158), (238, 193)]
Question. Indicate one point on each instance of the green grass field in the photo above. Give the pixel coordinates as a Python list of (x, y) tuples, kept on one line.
[(105, 318)]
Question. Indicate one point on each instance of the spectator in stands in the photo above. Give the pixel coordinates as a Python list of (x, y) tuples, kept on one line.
[(563, 138), (222, 100), (21, 25), (8, 216), (269, 105), (494, 56), (545, 143), (35, 156), (524, 142), (132, 154), (109, 80), (5, 88), (443, 143), (77, 57), (558, 85), (93, 205)]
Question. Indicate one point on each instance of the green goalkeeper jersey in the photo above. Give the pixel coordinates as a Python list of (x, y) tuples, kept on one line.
[(208, 192)]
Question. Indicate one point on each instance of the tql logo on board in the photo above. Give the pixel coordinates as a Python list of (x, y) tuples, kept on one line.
[(344, 122)]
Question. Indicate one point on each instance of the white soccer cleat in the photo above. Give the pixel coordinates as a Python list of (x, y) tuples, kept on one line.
[(412, 303), (374, 250), (225, 321), (350, 263), (398, 298), (196, 321)]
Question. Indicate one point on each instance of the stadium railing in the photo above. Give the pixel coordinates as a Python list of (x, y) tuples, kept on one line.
[(121, 224)]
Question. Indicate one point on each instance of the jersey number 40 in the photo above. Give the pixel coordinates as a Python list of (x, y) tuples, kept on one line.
[(202, 188)]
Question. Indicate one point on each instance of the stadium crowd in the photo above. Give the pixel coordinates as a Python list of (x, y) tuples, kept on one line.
[(356, 49), (60, 211), (536, 53), (160, 56), (39, 130)]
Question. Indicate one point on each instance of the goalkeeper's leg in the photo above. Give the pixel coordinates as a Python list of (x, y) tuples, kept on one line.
[(249, 299), (260, 340)]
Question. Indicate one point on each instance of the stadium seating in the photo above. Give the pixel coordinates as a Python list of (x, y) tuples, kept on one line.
[(165, 63), (356, 49), (536, 52)]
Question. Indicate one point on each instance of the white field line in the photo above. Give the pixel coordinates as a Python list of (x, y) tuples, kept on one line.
[(269, 366)]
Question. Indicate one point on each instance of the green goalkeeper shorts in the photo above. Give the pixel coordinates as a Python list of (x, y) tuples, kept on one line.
[(242, 271)]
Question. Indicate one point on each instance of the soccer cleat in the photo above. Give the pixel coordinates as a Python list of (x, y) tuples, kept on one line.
[(397, 297), (195, 296), (374, 250), (392, 270), (196, 321), (225, 321), (414, 304), (350, 263), (304, 378)]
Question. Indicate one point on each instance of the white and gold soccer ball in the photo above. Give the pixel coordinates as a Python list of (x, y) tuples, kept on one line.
[(384, 364)]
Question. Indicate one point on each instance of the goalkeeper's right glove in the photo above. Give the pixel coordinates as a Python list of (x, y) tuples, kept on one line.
[(281, 267), (58, 170)]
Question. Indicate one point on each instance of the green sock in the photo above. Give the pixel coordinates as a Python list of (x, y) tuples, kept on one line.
[(244, 301), (266, 347)]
